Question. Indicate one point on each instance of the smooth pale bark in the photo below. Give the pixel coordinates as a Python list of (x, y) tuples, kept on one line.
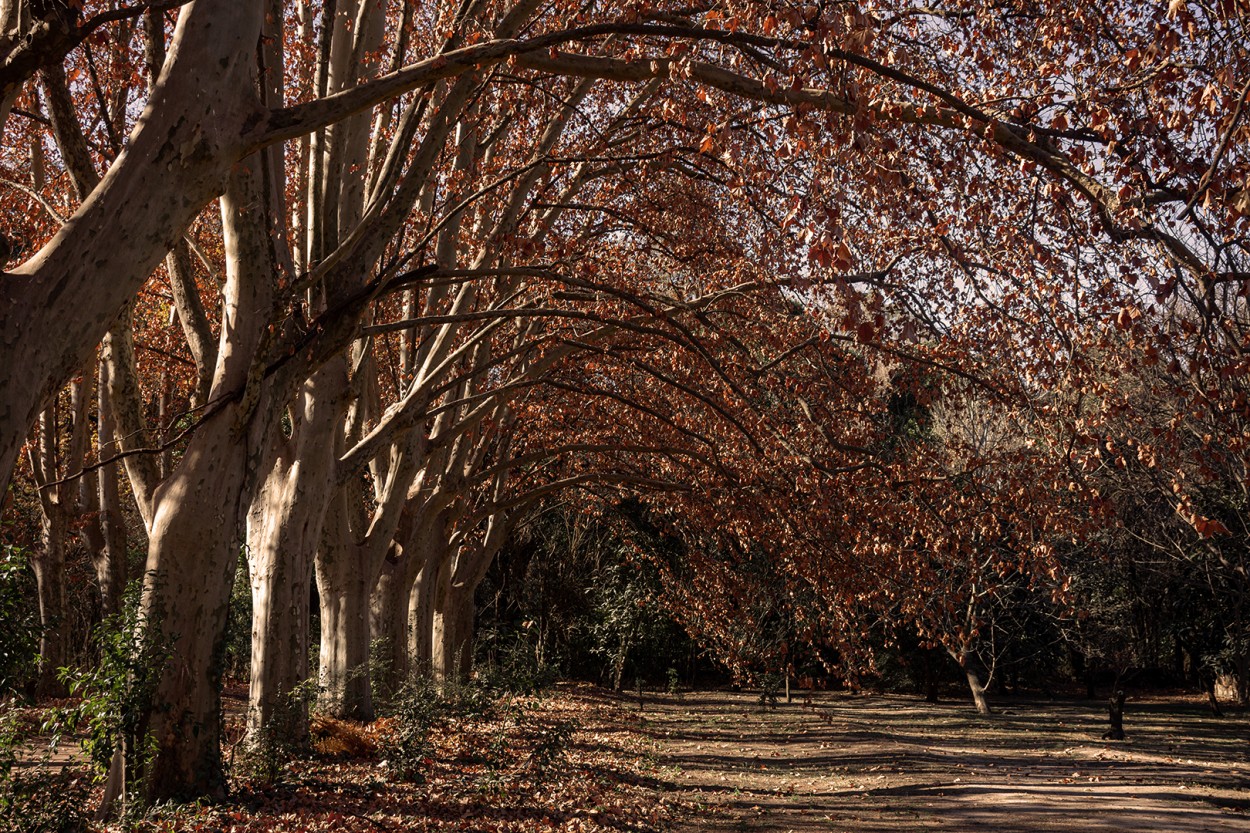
[(284, 528), (348, 565), (98, 514), (198, 517), (110, 559), (388, 620), (193, 318), (343, 583), (351, 556), (420, 540), (192, 554), (59, 507), (421, 614), (441, 619), (453, 625), (186, 140), (121, 380)]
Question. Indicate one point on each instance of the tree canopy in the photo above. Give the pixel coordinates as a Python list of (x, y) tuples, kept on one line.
[(888, 311)]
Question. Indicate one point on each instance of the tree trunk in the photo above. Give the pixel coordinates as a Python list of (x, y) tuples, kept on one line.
[(284, 530), (425, 547), (1115, 710), (443, 643), (280, 575), (198, 516), (978, 690), (421, 617), (48, 564), (1243, 678), (975, 683), (439, 599), (191, 562), (344, 586), (618, 664), (1213, 702), (471, 565), (50, 461), (388, 620), (110, 560), (344, 657), (453, 637)]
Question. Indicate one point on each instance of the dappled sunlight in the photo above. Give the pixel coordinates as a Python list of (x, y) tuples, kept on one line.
[(859, 762)]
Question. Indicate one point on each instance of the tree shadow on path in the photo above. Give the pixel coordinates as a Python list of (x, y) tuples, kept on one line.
[(869, 763)]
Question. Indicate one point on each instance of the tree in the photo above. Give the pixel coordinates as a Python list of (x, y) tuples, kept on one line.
[(909, 170)]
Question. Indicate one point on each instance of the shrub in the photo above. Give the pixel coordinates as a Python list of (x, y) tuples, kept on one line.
[(44, 799), (551, 748), (416, 709), (407, 749), (37, 796), (19, 638), (117, 693)]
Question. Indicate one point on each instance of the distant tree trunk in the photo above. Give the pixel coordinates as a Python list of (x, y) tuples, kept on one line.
[(110, 560), (449, 645), (618, 663), (344, 586), (48, 564), (472, 564), (421, 615), (353, 550), (1243, 678), (1212, 701), (434, 608), (47, 561), (453, 637), (388, 620), (1115, 708), (975, 684), (978, 690)]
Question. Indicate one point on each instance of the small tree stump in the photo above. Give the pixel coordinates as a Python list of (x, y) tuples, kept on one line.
[(1116, 708)]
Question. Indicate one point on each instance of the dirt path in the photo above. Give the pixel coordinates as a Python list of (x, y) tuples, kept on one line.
[(874, 763)]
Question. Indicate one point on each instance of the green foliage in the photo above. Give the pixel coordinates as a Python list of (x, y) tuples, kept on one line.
[(672, 680), (567, 599), (10, 737), (264, 763), (37, 796), (263, 760), (551, 748), (549, 745), (237, 652), (515, 669), (19, 638), (771, 683), (415, 710), (118, 693), (407, 751), (44, 799)]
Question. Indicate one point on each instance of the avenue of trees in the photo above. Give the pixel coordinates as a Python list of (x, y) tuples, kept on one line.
[(867, 329)]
